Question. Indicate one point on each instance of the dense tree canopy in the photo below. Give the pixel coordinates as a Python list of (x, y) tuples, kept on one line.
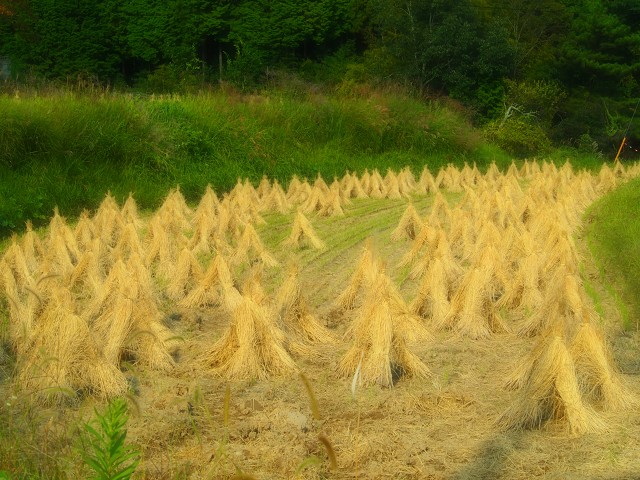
[(501, 58)]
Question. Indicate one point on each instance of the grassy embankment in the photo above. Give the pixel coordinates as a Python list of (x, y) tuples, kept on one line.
[(68, 150), (613, 234)]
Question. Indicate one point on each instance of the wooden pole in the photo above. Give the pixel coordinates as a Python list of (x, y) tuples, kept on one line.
[(624, 139)]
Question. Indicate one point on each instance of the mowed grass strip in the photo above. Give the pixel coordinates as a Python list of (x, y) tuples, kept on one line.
[(364, 219), (613, 235)]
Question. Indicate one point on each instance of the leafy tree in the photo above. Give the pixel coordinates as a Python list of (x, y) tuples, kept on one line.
[(529, 108), (443, 45), (58, 38), (533, 29), (602, 49), (283, 32), (171, 31), (540, 99)]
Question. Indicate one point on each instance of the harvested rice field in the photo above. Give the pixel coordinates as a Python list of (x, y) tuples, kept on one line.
[(405, 325)]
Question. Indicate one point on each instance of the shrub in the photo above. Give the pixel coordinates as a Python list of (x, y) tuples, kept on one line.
[(587, 145), (518, 137)]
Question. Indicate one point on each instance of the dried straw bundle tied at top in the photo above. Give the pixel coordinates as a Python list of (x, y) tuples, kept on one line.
[(59, 230), (377, 187), (250, 247), (63, 356), (106, 221), (331, 205), (450, 178), (523, 294), (204, 226), (491, 260), (427, 237), (302, 234), (213, 288), (252, 347), (462, 232), (276, 200), (406, 182), (562, 301), (598, 377), (434, 294), (298, 191), (162, 244), (187, 275), (25, 303), (439, 247), (117, 282), (246, 204), (409, 225), (128, 243), (321, 184), (351, 187), (473, 313), (86, 279), (151, 343), (226, 222), (440, 210), (382, 331), (204, 223), (58, 259), (315, 200), (129, 212), (365, 273), (125, 317), (264, 188), (32, 248), (62, 250), (392, 185), (15, 260), (427, 183), (175, 211), (305, 332), (550, 390), (252, 286)]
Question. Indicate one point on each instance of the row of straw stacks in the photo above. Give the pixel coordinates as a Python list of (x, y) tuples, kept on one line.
[(509, 251), (82, 299)]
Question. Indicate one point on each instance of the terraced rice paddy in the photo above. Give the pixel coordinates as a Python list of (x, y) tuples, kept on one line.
[(439, 319)]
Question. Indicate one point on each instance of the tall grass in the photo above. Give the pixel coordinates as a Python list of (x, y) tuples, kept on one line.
[(613, 234), (68, 150), (34, 443)]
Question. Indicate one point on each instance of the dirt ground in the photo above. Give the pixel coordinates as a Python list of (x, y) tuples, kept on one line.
[(443, 428)]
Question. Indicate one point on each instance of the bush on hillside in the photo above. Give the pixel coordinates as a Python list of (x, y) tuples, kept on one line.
[(518, 137)]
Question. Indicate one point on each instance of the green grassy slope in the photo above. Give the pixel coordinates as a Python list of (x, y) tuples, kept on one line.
[(69, 150), (613, 234)]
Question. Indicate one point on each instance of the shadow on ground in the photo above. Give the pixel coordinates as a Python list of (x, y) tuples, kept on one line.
[(491, 459)]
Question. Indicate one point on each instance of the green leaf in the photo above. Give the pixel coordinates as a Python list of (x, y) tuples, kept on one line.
[(108, 455), (308, 462)]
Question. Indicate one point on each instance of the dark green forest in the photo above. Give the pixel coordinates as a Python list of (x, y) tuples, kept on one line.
[(534, 75)]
